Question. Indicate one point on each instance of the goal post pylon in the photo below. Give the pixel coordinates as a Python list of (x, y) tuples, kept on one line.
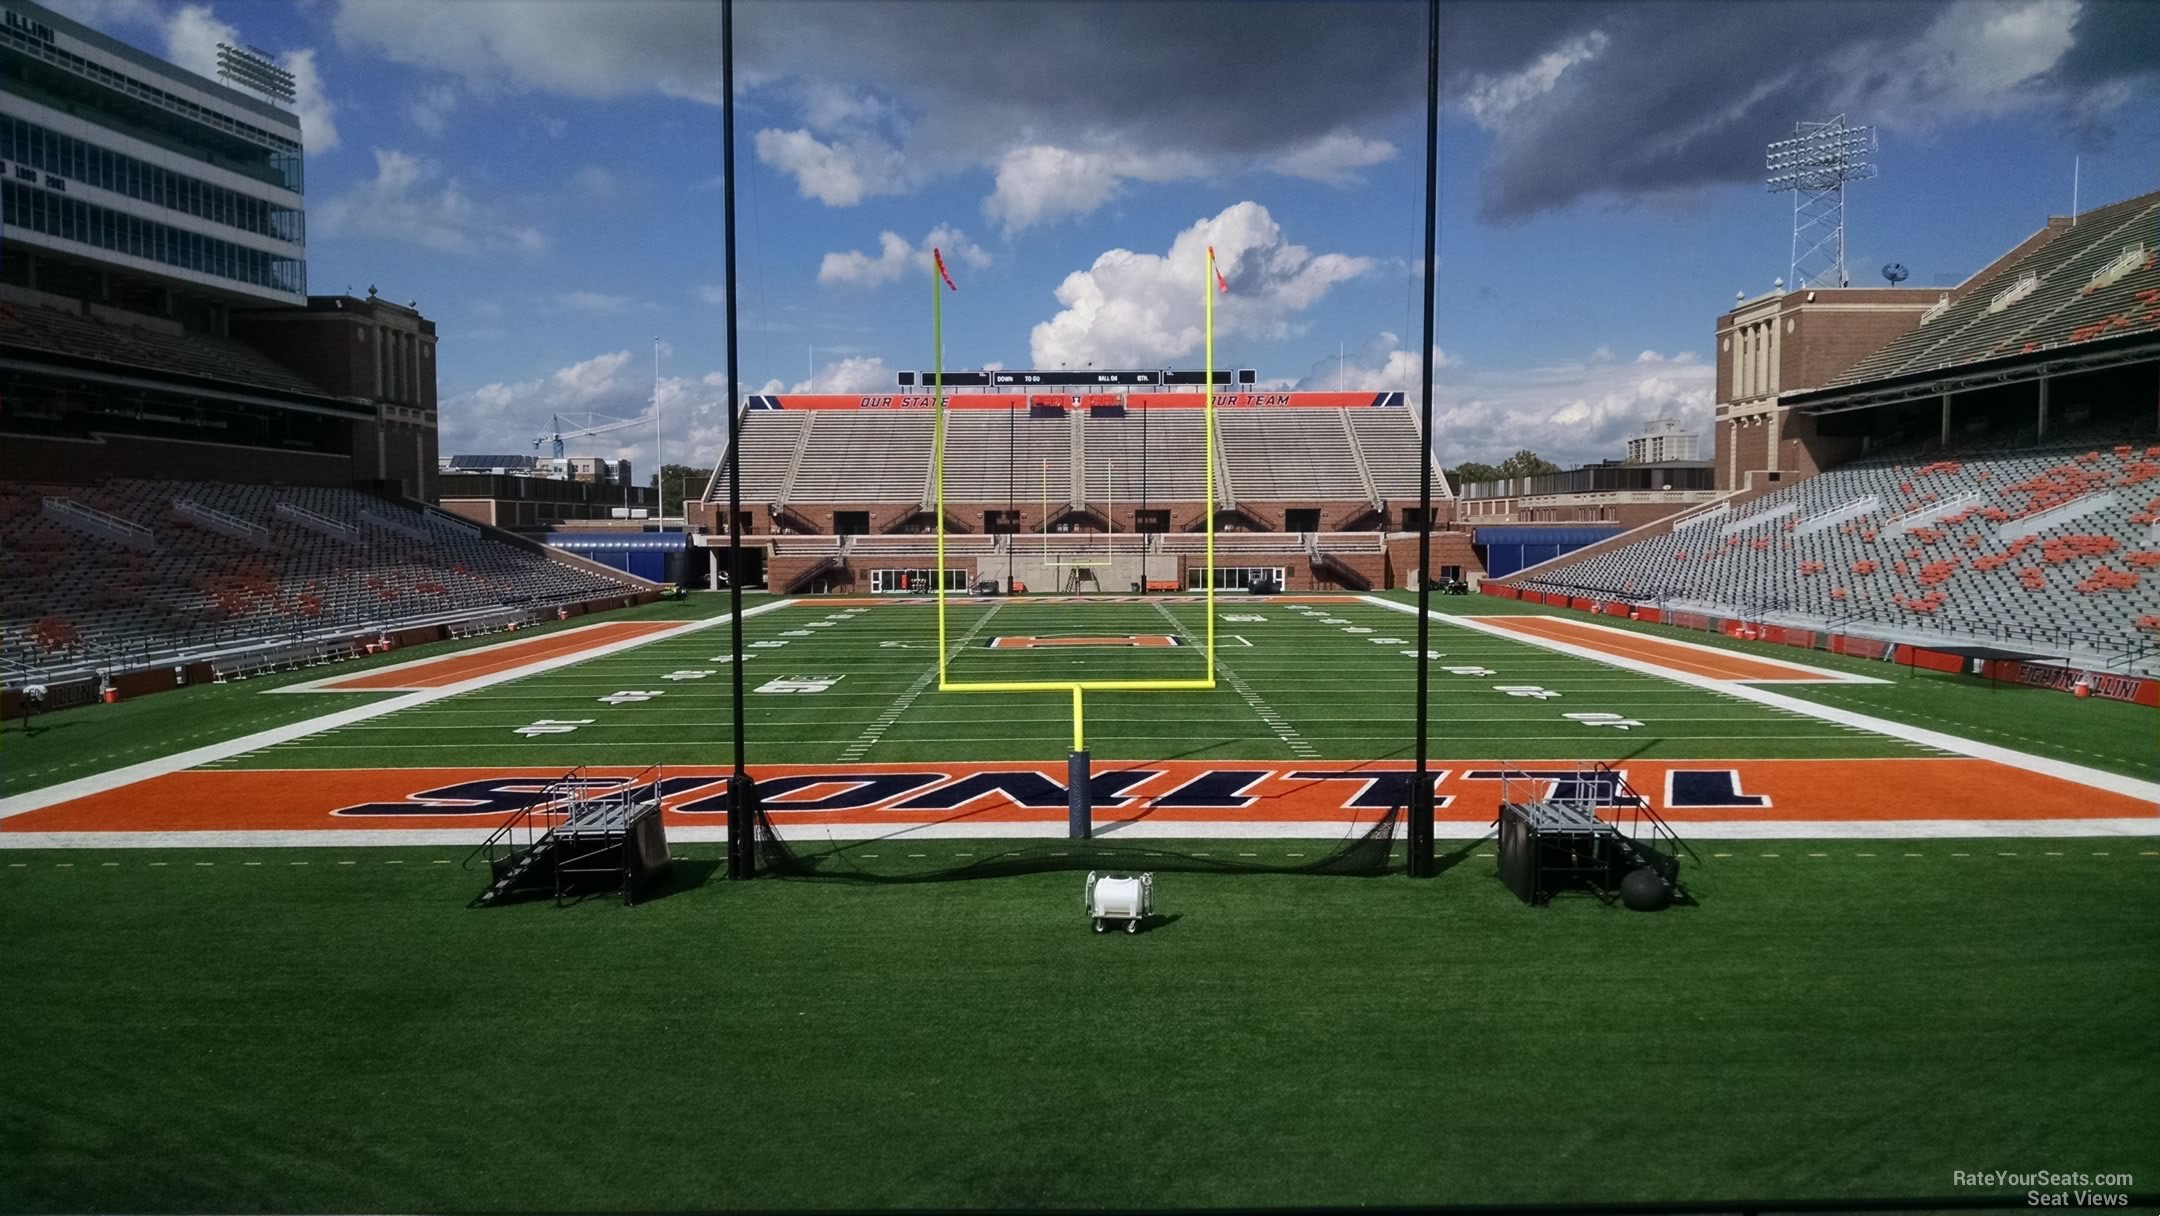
[(938, 283)]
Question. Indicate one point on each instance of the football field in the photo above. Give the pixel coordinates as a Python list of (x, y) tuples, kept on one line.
[(243, 975), (1294, 681), (1307, 729)]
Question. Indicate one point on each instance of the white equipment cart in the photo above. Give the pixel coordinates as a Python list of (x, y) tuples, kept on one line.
[(1119, 897)]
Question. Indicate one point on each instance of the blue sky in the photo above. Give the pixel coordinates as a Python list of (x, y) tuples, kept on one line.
[(542, 177)]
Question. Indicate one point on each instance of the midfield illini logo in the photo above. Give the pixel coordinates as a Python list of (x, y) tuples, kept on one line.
[(1025, 642)]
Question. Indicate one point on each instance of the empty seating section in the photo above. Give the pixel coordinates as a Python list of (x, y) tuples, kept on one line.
[(769, 443), (62, 332), (1169, 446), (74, 594), (1389, 442), (993, 454), (2056, 549), (2071, 300), (1289, 454), (871, 456)]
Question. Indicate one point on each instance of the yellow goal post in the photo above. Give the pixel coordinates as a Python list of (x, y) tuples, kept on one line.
[(1209, 283)]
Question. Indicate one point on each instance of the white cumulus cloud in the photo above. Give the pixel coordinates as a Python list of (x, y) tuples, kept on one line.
[(1381, 364), (1492, 98), (1042, 183), (1334, 158), (1145, 309), (896, 256), (839, 173), (1570, 413), (411, 200)]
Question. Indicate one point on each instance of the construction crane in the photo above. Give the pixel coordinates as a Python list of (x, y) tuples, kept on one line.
[(593, 424)]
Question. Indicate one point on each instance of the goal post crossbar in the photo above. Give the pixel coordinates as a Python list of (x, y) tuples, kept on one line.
[(1209, 282)]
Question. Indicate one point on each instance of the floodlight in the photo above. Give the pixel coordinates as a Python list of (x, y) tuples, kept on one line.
[(254, 69), (1815, 165)]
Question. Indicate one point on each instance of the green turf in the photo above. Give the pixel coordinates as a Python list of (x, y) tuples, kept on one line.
[(1334, 684), (72, 743), (1335, 694), (349, 1037), (2112, 735)]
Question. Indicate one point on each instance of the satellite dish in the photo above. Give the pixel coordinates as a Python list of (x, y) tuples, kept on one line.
[(1896, 273)]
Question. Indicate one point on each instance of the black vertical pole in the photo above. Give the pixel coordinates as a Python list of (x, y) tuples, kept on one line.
[(742, 791), (1421, 791)]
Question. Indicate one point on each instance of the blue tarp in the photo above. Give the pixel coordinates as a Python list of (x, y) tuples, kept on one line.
[(644, 554), (1512, 547)]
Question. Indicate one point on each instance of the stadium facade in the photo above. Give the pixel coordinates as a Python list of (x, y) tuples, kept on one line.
[(203, 469), (163, 185)]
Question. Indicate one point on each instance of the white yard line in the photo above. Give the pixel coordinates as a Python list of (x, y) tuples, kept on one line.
[(1287, 734), (885, 721), (99, 782), (2145, 791)]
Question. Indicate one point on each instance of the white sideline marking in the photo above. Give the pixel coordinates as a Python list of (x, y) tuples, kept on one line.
[(509, 639), (1803, 673), (99, 782), (1147, 829), (2145, 791)]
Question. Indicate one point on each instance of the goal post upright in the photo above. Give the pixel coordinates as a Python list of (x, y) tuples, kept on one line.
[(1207, 422), (1081, 810), (937, 445)]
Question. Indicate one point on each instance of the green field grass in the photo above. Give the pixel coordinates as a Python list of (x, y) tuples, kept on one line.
[(2112, 735), (1341, 696), (317, 1030), (1335, 684), (73, 743), (290, 1030)]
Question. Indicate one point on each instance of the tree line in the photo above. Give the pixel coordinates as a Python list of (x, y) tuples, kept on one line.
[(1524, 463)]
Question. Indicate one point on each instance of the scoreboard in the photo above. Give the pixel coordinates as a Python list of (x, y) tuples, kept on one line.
[(1083, 378)]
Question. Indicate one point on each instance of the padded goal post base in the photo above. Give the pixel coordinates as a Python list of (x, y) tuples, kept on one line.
[(1079, 796), (743, 824)]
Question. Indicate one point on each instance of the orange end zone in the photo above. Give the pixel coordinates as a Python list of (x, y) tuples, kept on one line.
[(466, 665), (1161, 792), (1643, 649)]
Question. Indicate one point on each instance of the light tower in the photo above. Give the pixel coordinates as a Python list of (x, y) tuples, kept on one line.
[(254, 69), (1814, 165)]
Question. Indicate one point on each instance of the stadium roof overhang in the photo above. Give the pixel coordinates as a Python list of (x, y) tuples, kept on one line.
[(2044, 364), (132, 379)]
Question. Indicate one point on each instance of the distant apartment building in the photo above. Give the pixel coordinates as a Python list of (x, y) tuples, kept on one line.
[(1664, 441)]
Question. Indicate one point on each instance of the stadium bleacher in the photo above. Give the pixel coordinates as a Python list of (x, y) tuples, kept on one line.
[(884, 456), (127, 573), (2055, 549), (145, 343), (864, 466), (2097, 280)]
